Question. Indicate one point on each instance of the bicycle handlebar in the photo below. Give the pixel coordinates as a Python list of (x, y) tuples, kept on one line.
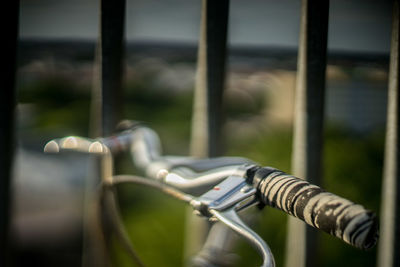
[(335, 215)]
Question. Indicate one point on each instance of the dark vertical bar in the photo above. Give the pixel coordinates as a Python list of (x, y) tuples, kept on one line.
[(389, 245), (207, 113), (309, 117), (207, 106), (7, 108), (217, 28), (112, 46), (109, 62), (106, 112)]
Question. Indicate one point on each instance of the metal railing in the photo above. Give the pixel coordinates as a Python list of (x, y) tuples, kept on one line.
[(389, 245), (207, 112), (308, 121), (7, 118)]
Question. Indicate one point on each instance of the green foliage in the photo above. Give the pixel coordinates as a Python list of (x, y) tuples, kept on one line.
[(167, 113), (353, 169), (59, 105), (154, 223)]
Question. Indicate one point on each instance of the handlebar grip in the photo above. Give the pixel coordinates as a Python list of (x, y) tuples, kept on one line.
[(335, 215)]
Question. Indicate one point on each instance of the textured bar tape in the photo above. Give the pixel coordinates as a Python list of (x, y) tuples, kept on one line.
[(323, 210)]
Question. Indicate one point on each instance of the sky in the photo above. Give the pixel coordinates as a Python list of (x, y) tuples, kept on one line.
[(354, 25)]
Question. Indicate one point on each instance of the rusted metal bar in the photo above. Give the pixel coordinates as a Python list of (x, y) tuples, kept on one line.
[(7, 118), (207, 107), (389, 245), (308, 124)]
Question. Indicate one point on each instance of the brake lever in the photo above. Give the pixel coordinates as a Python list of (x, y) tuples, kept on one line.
[(224, 201), (230, 218)]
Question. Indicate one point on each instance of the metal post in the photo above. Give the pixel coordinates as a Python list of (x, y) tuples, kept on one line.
[(309, 117), (7, 117), (389, 245), (207, 107), (106, 112)]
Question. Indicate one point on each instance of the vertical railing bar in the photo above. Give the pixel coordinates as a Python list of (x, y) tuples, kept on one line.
[(106, 111), (389, 245), (308, 124), (7, 124), (207, 118), (112, 50), (109, 60), (217, 30), (207, 111)]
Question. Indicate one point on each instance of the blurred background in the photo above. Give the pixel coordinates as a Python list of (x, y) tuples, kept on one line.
[(54, 80)]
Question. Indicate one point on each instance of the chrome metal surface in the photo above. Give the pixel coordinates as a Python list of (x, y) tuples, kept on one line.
[(221, 204), (227, 194), (203, 180), (233, 221)]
